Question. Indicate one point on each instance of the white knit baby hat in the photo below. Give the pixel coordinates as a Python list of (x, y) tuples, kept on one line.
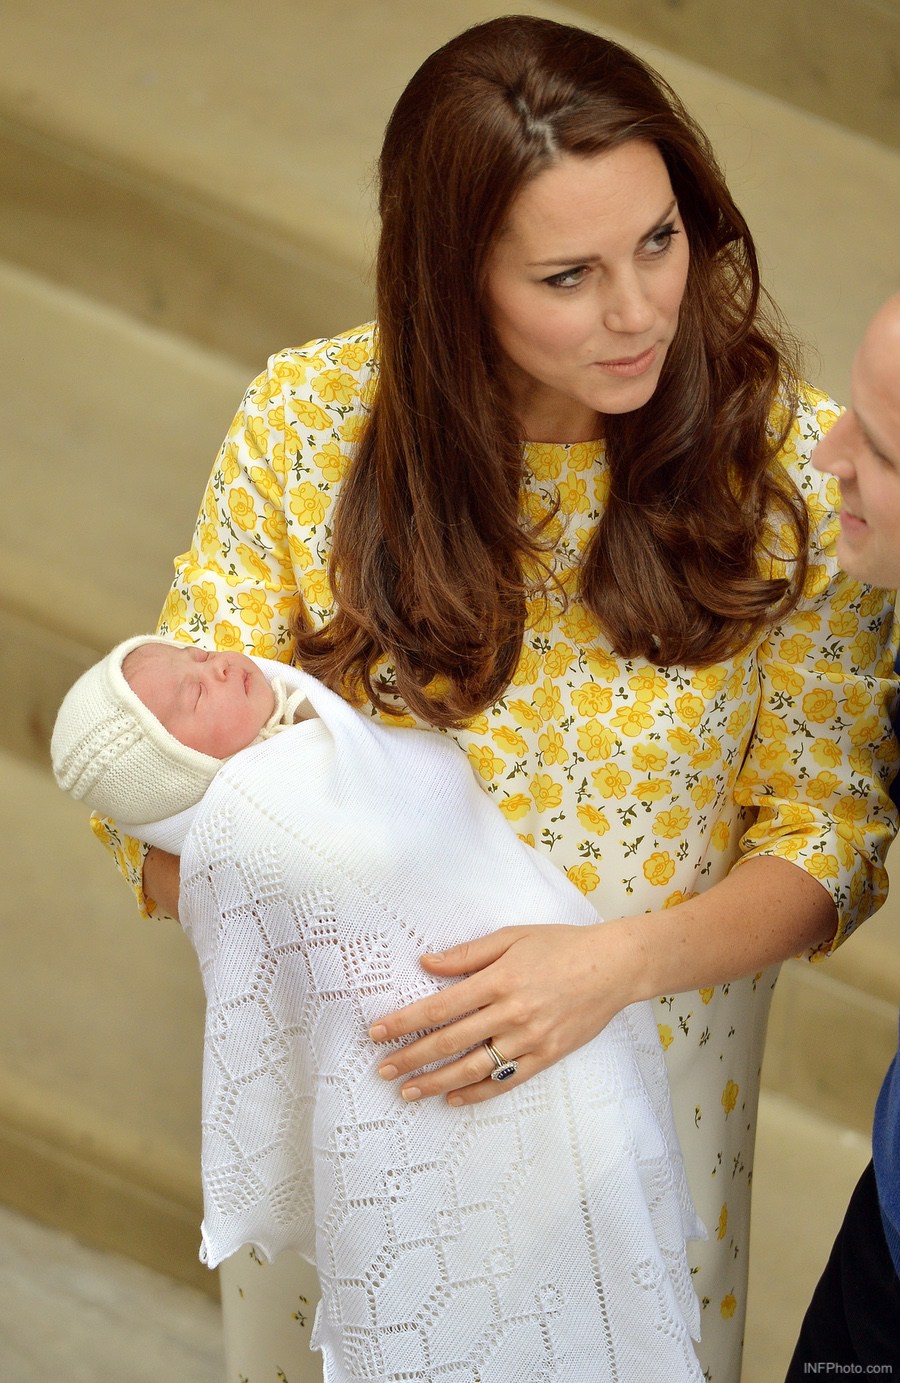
[(110, 752)]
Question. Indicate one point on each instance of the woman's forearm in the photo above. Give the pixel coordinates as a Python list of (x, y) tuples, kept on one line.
[(541, 992), (161, 881)]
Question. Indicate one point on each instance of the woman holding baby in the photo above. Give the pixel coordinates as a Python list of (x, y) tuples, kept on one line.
[(559, 502)]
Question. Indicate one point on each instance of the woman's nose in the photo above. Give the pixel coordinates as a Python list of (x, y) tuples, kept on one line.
[(628, 309)]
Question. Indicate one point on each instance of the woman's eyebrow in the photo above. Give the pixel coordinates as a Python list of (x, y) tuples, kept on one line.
[(596, 259)]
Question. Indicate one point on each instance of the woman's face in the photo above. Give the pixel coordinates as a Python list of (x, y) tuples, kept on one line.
[(583, 289)]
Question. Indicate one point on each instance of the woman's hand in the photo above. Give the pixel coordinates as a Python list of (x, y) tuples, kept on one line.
[(536, 993), (161, 880)]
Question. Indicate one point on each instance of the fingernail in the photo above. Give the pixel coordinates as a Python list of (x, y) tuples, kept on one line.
[(388, 1072), (412, 1092), (378, 1032), (435, 955), (455, 1100)]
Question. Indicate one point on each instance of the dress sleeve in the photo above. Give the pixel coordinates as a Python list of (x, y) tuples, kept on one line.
[(823, 752), (262, 535)]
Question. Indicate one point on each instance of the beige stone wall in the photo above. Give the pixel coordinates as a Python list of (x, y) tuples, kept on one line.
[(836, 58)]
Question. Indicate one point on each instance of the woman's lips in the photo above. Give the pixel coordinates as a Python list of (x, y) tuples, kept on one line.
[(632, 365), (852, 523)]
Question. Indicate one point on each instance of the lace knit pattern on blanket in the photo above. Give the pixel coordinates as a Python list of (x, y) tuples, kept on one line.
[(540, 1236)]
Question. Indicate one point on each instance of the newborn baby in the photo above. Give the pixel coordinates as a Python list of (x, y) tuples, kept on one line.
[(540, 1235)]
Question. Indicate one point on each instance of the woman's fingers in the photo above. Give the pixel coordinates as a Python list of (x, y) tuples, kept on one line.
[(470, 1078)]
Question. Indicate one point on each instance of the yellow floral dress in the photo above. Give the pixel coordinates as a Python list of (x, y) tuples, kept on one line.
[(644, 784)]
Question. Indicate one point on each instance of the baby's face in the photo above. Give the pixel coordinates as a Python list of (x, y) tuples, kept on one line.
[(214, 702)]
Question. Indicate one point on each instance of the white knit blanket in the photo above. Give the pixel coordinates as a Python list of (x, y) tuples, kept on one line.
[(539, 1236)]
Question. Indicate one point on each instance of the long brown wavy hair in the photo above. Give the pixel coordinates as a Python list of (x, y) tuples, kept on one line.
[(433, 562)]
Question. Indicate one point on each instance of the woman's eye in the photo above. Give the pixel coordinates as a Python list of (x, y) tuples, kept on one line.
[(569, 278), (661, 240)]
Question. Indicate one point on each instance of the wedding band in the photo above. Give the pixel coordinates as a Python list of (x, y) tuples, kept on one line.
[(503, 1069)]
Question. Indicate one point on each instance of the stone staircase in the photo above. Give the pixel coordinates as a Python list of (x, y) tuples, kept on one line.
[(186, 188)]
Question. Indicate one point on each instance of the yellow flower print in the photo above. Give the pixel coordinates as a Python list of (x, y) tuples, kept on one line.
[(665, 1036), (545, 460), (308, 503), (514, 808), (689, 708), (314, 587), (823, 866), (274, 524), (601, 665), (849, 812), (209, 538), (553, 747), (728, 1306), (682, 741), (592, 700), (527, 669), (826, 752), (784, 679), (866, 731), (582, 455), (264, 645), (478, 725), (738, 720), (770, 726), (592, 819), (253, 563), (721, 834), (240, 504), (611, 780), (253, 609), (596, 740), (870, 604), (647, 758), (584, 876), (538, 616), (287, 370), (300, 552), (547, 701), (229, 465), (352, 354), (507, 739), (856, 700), (546, 793), (679, 896), (862, 761), (722, 1229), (310, 415), (821, 787), (573, 496), (653, 789), (706, 992), (843, 625), (335, 386), (206, 602), (709, 680), (133, 851), (703, 792), (256, 438), (795, 649), (659, 868), (527, 837), (819, 706), (523, 713), (784, 785), (228, 636), (267, 483), (351, 429), (332, 462), (711, 753), (632, 720), (558, 661), (648, 686), (729, 1096), (864, 648), (485, 762), (772, 754), (174, 611), (671, 823), (580, 626)]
